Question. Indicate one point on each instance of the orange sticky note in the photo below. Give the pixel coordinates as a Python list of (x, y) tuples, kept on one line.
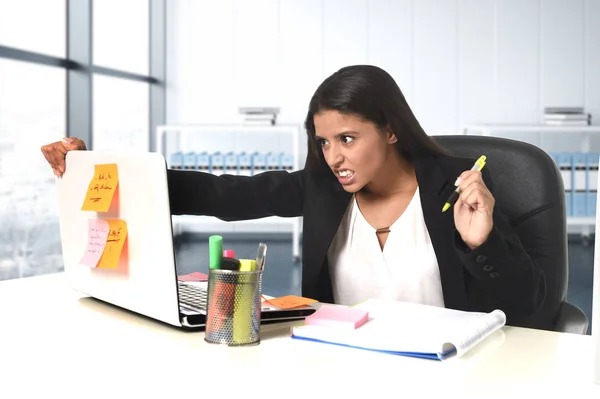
[(290, 301), (97, 235), (117, 233), (102, 188)]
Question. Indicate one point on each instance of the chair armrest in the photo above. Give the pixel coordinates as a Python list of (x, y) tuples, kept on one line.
[(571, 319)]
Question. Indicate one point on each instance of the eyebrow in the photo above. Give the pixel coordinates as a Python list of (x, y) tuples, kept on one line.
[(344, 133)]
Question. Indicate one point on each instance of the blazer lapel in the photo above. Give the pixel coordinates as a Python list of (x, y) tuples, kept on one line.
[(324, 213), (436, 178)]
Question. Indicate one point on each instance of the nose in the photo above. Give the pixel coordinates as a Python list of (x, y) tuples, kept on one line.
[(334, 156)]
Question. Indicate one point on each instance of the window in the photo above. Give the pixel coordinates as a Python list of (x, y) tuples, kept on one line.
[(32, 113), (34, 25), (121, 116), (109, 70), (121, 35)]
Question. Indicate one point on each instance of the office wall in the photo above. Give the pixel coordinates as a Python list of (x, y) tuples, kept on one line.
[(457, 61)]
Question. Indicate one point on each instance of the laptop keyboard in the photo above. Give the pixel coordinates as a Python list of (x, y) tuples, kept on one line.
[(193, 297)]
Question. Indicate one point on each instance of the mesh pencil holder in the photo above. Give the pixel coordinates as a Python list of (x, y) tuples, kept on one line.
[(234, 305)]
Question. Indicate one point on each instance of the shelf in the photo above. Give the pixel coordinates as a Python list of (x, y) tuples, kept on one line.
[(581, 221), (487, 129)]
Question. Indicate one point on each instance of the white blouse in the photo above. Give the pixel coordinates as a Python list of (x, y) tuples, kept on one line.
[(406, 270)]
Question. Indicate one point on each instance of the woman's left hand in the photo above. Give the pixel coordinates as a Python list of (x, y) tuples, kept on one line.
[(473, 209)]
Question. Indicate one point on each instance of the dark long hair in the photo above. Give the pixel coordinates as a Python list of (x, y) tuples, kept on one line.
[(372, 94)]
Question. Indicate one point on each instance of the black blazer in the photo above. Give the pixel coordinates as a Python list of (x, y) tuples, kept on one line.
[(498, 274)]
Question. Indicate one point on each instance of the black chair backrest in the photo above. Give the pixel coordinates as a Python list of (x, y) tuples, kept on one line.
[(528, 188)]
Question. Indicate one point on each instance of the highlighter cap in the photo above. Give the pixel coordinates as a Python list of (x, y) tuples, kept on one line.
[(215, 251), (229, 253), (230, 264), (247, 265)]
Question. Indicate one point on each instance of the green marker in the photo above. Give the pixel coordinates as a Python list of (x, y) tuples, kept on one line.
[(215, 252)]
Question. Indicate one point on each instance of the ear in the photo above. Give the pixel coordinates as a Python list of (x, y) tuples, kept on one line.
[(391, 136)]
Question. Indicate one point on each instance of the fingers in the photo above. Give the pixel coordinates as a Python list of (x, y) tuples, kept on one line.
[(55, 153), (59, 157), (73, 143), (468, 176), (475, 194), (49, 155)]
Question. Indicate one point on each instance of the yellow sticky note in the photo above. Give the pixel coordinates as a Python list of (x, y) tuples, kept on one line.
[(117, 233), (290, 301), (102, 188)]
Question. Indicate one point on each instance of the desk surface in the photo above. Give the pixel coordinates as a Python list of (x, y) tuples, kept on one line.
[(53, 340)]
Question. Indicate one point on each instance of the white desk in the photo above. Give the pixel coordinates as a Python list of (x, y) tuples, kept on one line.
[(54, 343)]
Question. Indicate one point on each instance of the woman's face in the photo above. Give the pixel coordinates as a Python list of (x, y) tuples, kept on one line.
[(355, 150)]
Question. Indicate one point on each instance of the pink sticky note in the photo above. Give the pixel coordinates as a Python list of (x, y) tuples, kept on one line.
[(338, 316), (97, 234), (195, 276)]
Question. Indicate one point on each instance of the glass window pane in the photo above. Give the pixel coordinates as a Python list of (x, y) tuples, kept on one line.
[(32, 113), (120, 114), (121, 35), (34, 25)]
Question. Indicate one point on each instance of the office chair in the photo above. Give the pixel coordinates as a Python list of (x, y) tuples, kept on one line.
[(528, 187)]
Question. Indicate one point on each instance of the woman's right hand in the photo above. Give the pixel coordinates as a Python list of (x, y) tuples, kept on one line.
[(55, 153)]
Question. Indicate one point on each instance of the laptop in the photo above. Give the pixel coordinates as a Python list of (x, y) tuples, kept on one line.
[(145, 279)]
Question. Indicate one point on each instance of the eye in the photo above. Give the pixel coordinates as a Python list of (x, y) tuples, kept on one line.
[(347, 139), (322, 142)]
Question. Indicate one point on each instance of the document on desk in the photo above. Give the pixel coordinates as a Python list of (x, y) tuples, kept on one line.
[(410, 329)]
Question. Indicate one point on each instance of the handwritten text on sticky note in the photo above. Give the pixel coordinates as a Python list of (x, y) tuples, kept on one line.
[(114, 244), (97, 235), (101, 188), (290, 301)]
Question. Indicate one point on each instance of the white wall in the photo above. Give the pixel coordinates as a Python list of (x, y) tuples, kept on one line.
[(457, 61)]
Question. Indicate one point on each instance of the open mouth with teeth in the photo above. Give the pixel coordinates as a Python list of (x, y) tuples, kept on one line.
[(345, 173)]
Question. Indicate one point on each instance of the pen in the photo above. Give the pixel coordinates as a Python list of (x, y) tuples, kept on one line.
[(479, 164), (260, 256)]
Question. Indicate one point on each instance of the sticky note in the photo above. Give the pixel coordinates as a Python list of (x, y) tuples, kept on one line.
[(114, 244), (338, 316), (97, 235), (290, 301), (195, 276), (102, 188)]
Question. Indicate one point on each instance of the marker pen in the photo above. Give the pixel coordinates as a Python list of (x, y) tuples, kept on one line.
[(215, 251), (479, 164)]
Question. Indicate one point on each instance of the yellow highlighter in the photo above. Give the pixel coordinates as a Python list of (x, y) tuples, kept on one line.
[(479, 164), (244, 307)]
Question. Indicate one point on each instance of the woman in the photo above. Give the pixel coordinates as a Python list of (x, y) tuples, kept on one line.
[(371, 196)]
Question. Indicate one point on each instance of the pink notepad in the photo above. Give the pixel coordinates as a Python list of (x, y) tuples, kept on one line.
[(195, 276), (338, 316)]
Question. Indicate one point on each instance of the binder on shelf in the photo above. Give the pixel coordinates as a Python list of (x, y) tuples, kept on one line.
[(579, 184), (217, 162), (176, 160), (189, 161), (593, 159), (273, 162), (286, 161), (566, 170), (259, 163), (203, 159), (231, 164), (245, 164)]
